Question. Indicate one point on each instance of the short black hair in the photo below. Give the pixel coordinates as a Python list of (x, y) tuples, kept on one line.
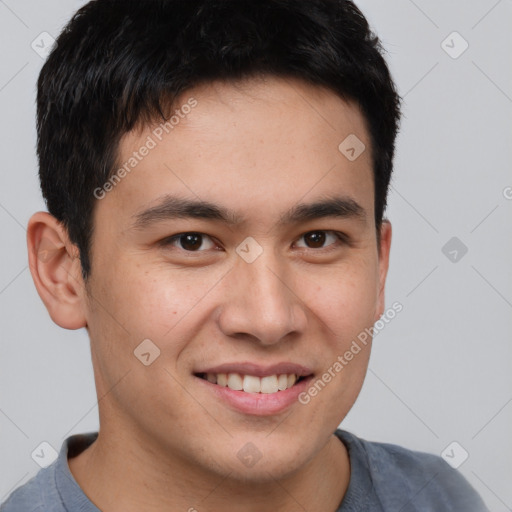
[(120, 63)]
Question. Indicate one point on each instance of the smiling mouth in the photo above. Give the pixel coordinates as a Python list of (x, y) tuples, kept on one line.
[(251, 383)]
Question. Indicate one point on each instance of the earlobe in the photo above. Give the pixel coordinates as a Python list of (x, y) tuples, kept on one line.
[(384, 250), (55, 267)]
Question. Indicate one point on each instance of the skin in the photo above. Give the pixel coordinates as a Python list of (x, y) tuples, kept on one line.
[(165, 442)]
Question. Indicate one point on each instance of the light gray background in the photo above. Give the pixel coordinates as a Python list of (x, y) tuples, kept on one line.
[(440, 371)]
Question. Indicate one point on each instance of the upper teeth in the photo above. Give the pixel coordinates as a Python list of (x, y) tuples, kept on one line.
[(253, 384)]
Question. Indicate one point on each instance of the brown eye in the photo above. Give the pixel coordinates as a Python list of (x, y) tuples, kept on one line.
[(191, 242), (321, 239), (315, 239)]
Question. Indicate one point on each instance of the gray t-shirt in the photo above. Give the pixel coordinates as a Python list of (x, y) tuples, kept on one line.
[(383, 478)]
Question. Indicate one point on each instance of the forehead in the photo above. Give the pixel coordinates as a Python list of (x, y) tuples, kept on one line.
[(257, 145)]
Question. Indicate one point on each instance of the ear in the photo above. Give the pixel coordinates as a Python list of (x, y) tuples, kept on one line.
[(55, 267), (384, 249)]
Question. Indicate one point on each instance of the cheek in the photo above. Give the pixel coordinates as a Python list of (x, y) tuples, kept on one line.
[(153, 301), (344, 299), (130, 305)]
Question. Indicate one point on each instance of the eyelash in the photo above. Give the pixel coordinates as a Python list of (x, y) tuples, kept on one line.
[(341, 239)]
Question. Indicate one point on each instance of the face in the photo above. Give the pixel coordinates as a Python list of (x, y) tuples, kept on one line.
[(242, 247)]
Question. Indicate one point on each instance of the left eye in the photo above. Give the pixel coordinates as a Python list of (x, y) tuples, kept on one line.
[(318, 239), (190, 241)]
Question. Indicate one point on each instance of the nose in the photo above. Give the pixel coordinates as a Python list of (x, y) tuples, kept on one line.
[(261, 303)]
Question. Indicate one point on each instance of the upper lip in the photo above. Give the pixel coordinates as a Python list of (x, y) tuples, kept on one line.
[(259, 370)]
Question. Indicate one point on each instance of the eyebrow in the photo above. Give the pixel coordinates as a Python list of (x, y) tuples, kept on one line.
[(340, 207), (171, 207)]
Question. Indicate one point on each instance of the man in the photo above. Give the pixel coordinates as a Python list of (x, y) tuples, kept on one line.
[(216, 175)]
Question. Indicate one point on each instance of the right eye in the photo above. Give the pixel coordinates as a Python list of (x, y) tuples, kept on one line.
[(190, 242)]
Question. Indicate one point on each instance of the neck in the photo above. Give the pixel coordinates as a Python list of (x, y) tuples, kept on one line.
[(119, 475)]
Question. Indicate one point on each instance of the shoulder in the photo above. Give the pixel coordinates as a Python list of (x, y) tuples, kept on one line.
[(410, 480), (54, 485), (29, 497)]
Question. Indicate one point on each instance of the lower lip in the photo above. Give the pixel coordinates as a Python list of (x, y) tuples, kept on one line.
[(258, 404)]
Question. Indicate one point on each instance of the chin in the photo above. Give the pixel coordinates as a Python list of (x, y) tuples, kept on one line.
[(262, 460)]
